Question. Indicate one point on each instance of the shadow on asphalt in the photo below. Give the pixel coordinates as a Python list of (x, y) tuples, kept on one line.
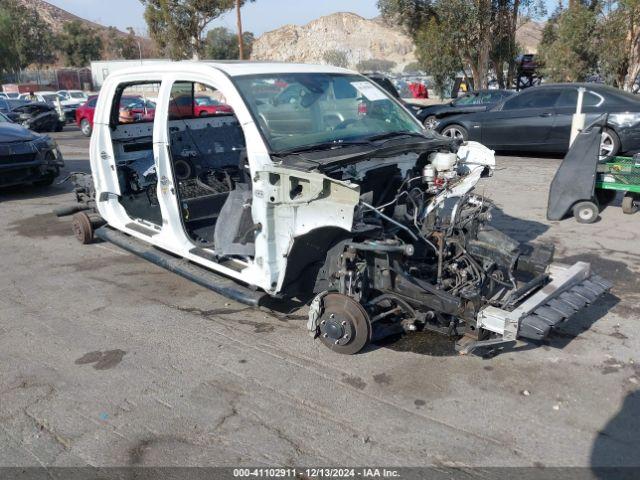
[(540, 155), (520, 229), (618, 443)]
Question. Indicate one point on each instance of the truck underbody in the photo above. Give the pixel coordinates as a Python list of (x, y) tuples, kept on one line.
[(422, 255)]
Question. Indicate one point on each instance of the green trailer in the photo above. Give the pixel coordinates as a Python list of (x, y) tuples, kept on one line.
[(619, 174)]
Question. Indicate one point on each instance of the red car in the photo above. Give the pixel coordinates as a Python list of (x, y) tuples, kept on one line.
[(84, 115), (186, 106), (205, 106), (136, 110), (132, 110)]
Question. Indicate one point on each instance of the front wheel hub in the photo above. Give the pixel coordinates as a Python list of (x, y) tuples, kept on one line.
[(336, 328), (344, 324)]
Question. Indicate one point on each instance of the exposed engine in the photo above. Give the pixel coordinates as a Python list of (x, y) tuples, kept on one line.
[(422, 253)]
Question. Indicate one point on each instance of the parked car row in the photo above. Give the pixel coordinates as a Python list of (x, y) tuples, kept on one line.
[(536, 120)]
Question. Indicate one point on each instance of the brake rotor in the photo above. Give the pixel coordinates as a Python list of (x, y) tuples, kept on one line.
[(344, 324)]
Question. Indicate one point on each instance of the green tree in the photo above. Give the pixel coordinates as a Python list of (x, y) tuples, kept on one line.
[(8, 54), (619, 43), (464, 24), (222, 44), (36, 40), (79, 44), (120, 46), (337, 58), (471, 34), (25, 38), (612, 49), (178, 26), (568, 53), (375, 65), (444, 66)]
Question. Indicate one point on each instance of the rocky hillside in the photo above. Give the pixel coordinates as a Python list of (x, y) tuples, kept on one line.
[(56, 17), (359, 38), (529, 36)]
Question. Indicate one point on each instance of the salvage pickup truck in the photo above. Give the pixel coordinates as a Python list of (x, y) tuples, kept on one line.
[(316, 184)]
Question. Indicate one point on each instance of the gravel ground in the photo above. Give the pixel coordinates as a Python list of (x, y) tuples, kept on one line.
[(108, 360)]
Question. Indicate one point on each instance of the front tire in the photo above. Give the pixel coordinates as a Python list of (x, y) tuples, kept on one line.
[(85, 127), (456, 132), (609, 145)]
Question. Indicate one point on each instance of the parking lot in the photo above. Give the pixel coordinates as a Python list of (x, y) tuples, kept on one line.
[(106, 359)]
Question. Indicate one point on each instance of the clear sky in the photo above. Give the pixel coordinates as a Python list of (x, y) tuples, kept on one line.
[(258, 17)]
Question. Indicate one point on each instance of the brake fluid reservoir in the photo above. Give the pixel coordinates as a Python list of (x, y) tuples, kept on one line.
[(443, 161), (428, 174)]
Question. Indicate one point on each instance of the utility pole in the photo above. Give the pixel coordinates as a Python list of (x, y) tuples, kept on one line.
[(240, 38)]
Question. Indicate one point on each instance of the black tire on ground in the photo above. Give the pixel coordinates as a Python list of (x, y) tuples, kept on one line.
[(82, 228), (455, 131), (630, 203), (585, 212), (606, 196), (610, 145), (59, 127), (45, 181), (85, 127)]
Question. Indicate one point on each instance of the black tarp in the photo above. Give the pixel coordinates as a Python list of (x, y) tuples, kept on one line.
[(576, 177)]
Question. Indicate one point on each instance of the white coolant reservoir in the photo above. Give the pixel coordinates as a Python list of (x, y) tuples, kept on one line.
[(443, 161)]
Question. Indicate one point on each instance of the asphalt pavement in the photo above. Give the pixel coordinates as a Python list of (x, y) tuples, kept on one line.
[(108, 360)]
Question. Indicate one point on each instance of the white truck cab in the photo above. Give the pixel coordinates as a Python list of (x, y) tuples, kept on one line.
[(312, 182)]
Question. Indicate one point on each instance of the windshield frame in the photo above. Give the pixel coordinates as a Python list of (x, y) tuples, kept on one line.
[(272, 75)]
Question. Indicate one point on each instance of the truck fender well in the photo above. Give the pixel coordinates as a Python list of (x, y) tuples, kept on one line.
[(310, 260)]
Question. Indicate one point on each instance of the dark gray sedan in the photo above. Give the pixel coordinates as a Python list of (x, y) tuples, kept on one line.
[(26, 157), (472, 102), (539, 120)]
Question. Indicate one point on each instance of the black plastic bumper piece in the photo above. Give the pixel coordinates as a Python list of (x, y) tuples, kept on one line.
[(197, 274), (543, 319)]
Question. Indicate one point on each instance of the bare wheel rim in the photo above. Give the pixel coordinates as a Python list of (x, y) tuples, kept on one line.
[(86, 127), (606, 145), (453, 132), (585, 213), (430, 122)]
